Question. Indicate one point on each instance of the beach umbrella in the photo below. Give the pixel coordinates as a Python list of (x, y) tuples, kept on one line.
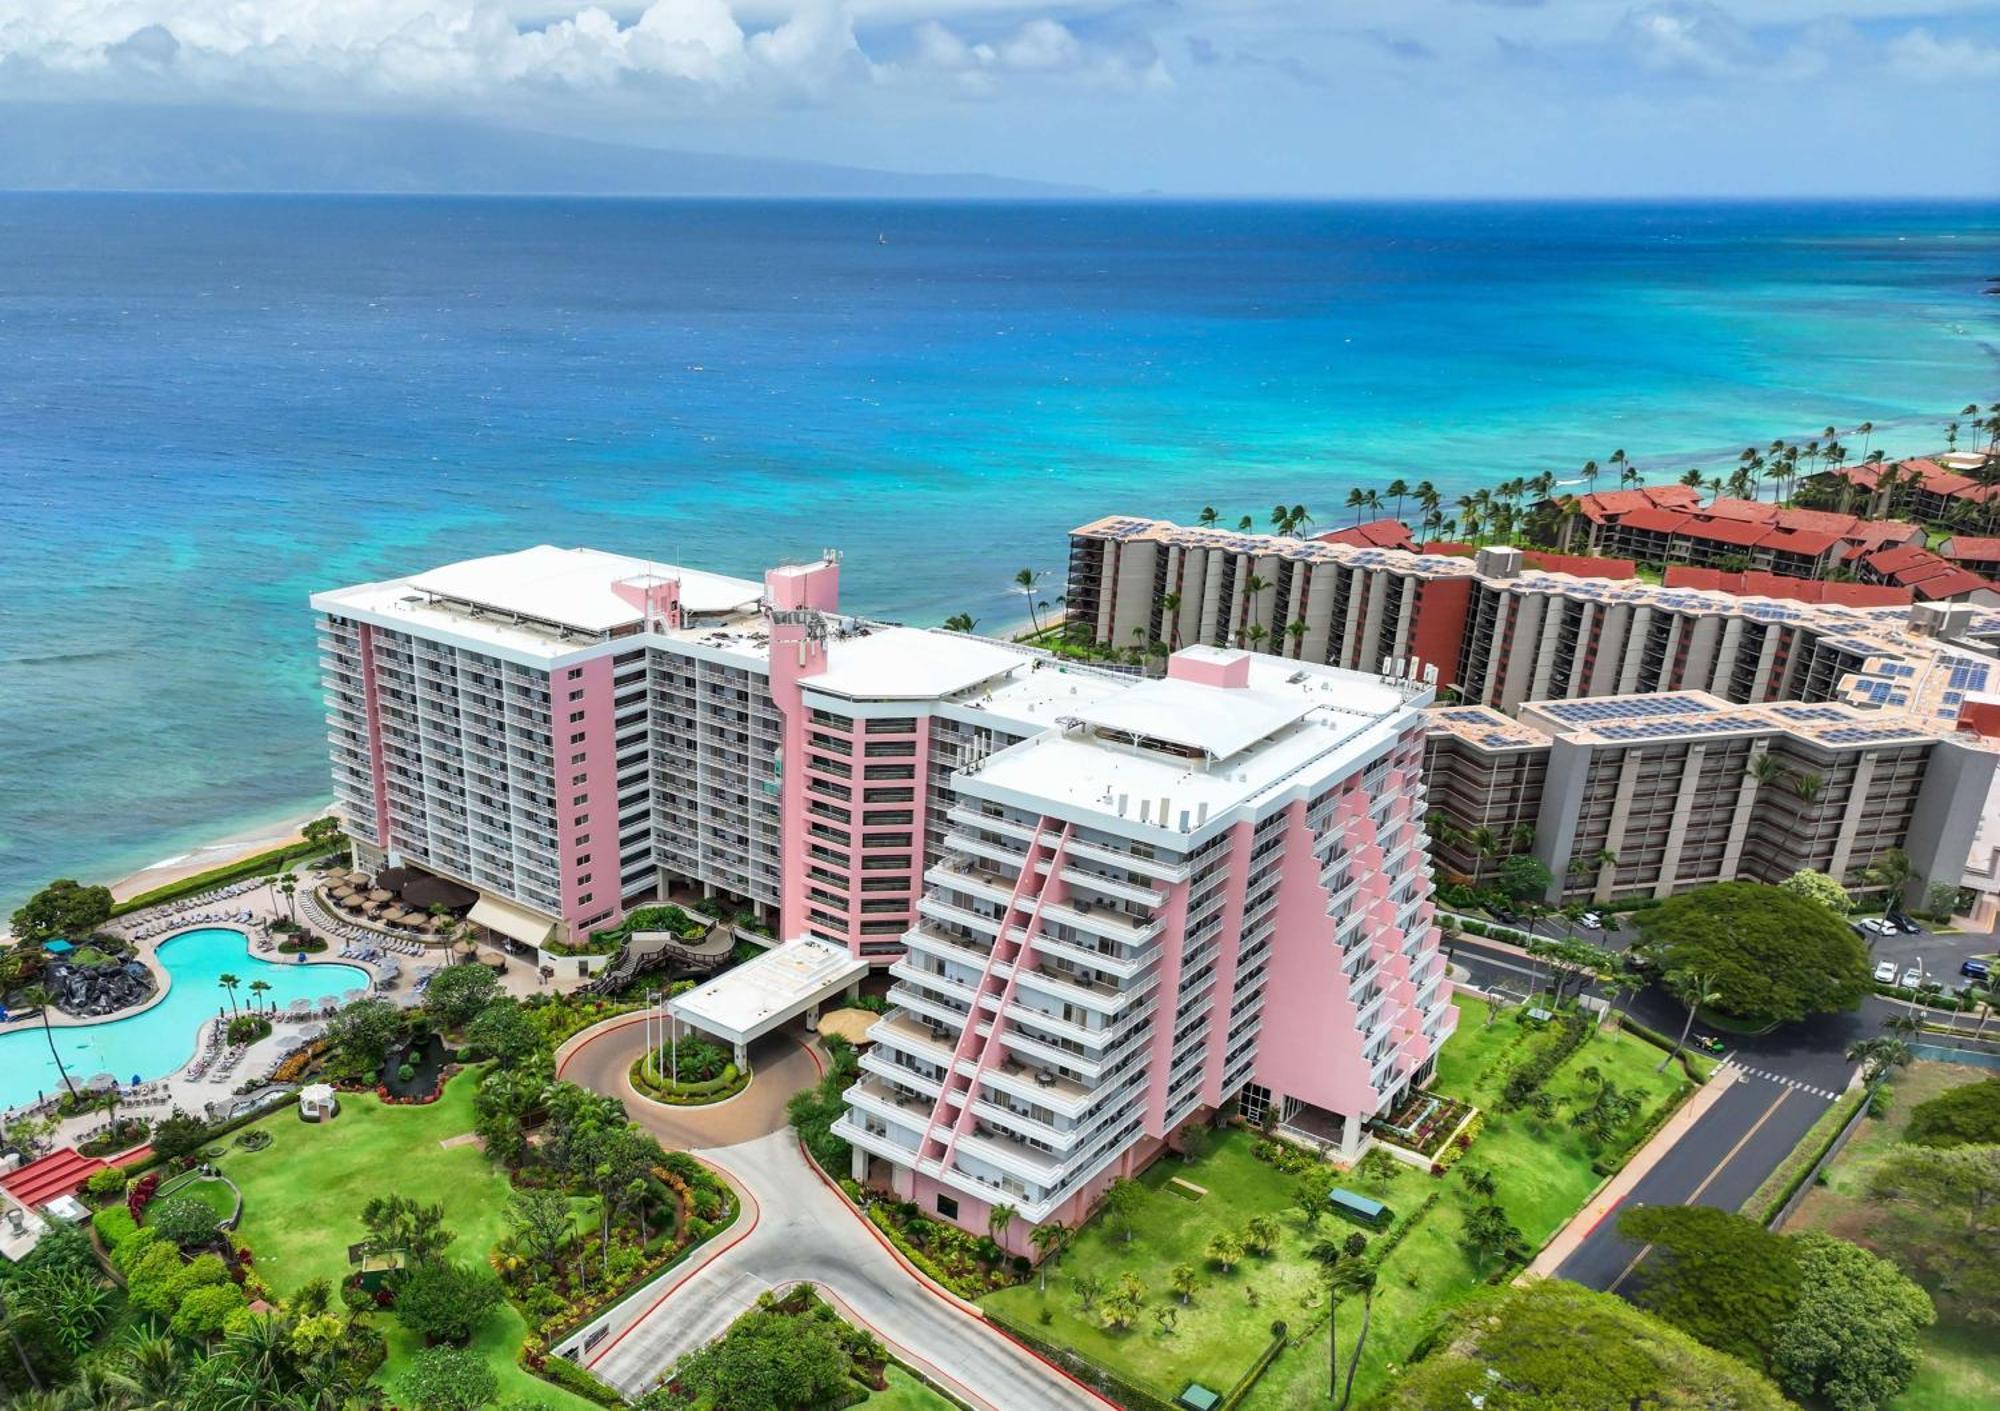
[(354, 994), (358, 878), (342, 892), (100, 1081), (329, 1001), (381, 895), (465, 948)]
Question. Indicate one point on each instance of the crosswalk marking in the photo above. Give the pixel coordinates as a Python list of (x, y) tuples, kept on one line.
[(1780, 1079)]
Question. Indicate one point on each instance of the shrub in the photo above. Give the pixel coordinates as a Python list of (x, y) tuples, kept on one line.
[(446, 1302), (114, 1225), (204, 1311), (447, 1379), (1574, 1029), (1962, 1116), (179, 1135), (105, 1184)]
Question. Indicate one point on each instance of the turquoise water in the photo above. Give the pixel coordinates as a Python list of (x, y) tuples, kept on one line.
[(157, 1042), (214, 405)]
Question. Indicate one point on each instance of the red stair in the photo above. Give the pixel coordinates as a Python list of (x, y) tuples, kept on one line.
[(59, 1173)]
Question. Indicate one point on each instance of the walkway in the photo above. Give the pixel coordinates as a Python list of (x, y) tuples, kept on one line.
[(795, 1228)]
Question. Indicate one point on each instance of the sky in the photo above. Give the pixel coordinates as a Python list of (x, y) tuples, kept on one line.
[(1228, 97)]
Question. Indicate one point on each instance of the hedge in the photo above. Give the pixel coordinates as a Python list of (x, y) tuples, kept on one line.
[(1091, 1374), (1660, 1041), (1615, 1156), (256, 865), (579, 1380), (1782, 1184), (1247, 1383)]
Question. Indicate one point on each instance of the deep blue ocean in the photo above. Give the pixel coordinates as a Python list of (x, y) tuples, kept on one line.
[(210, 406)]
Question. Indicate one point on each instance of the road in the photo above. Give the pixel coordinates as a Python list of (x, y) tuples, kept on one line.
[(795, 1228)]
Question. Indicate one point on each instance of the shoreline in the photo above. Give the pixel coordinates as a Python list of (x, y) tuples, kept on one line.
[(207, 856)]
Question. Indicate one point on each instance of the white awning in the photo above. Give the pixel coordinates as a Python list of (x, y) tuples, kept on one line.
[(530, 928), (751, 999)]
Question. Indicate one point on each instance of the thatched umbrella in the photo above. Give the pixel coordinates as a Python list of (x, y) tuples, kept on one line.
[(393, 913), (353, 901), (380, 895), (358, 877), (342, 892), (465, 948)]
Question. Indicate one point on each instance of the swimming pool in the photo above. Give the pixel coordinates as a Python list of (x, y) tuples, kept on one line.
[(160, 1040)]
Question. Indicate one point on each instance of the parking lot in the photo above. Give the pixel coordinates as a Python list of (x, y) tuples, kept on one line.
[(1939, 955)]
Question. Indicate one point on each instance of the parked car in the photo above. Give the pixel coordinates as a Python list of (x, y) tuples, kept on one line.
[(1912, 978), (1906, 926), (1885, 973), (1976, 970), (1879, 926), (1591, 921)]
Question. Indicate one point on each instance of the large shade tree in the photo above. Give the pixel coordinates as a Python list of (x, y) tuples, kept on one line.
[(1767, 955), (1557, 1344)]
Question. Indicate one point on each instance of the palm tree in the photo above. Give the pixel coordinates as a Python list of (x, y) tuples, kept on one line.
[(1252, 586), (1692, 988), (1864, 431), (1878, 1057), (1357, 501), (289, 885), (1892, 872), (1246, 524), (1207, 517), (1296, 630), (1398, 488), (960, 622), (1951, 436), (1590, 477), (1254, 635), (1355, 1276), (38, 997), (1300, 518), (1024, 583), (1281, 518), (1047, 1238), (1170, 609), (1626, 474), (1374, 500), (229, 982), (998, 1219), (1327, 1254), (1486, 843), (259, 988)]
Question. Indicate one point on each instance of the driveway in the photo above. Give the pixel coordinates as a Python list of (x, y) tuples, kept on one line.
[(796, 1228)]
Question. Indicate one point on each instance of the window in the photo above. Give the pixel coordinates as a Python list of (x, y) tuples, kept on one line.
[(583, 880), (583, 860), (577, 781), (583, 900), (579, 800), (576, 695), (576, 717), (577, 739), (577, 758), (947, 1206), (888, 795)]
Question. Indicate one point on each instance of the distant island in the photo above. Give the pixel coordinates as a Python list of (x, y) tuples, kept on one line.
[(105, 147)]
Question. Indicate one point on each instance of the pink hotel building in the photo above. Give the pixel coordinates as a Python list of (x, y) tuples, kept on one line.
[(1107, 904)]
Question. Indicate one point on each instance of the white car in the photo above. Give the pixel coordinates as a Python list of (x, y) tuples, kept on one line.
[(1912, 978), (1880, 926), (1591, 921), (1885, 973)]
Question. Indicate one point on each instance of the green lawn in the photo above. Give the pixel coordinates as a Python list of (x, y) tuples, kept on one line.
[(302, 1199), (1544, 1175), (906, 1393), (1958, 1373)]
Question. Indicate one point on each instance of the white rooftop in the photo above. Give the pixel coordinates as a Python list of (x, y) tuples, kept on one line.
[(576, 586), (757, 996), (906, 663), (1303, 723), (1219, 721)]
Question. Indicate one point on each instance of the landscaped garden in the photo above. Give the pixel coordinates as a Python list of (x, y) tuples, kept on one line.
[(792, 1350), (1188, 1285), (689, 1073)]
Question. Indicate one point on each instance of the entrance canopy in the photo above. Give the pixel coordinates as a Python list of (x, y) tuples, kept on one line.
[(530, 928), (760, 995)]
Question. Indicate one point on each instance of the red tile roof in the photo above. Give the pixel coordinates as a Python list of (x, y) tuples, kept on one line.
[(1606, 506), (1724, 531), (1955, 583), (1389, 533), (1579, 565), (1771, 585), (1658, 521), (1965, 548), (1811, 543), (1902, 556), (1745, 511)]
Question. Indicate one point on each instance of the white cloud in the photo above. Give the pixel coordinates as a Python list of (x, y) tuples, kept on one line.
[(1036, 46), (1683, 36), (1919, 54)]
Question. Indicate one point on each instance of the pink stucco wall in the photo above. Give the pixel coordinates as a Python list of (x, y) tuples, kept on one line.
[(588, 829)]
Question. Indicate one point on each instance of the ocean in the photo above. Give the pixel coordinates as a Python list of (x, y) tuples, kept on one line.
[(211, 406)]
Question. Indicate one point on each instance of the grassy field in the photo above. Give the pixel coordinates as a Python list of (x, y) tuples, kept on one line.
[(1959, 1371), (1544, 1175), (302, 1199), (906, 1393)]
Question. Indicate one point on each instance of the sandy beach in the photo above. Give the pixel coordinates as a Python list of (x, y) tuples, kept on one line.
[(216, 854)]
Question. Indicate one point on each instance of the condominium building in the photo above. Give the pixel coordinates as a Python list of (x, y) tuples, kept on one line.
[(1206, 887), (1629, 796), (1875, 691)]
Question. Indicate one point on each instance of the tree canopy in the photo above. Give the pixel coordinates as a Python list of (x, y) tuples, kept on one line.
[(1967, 1115), (1945, 1221), (1556, 1345), (1817, 887), (458, 992), (63, 909), (768, 1362), (1524, 877), (1829, 1321), (1764, 953)]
